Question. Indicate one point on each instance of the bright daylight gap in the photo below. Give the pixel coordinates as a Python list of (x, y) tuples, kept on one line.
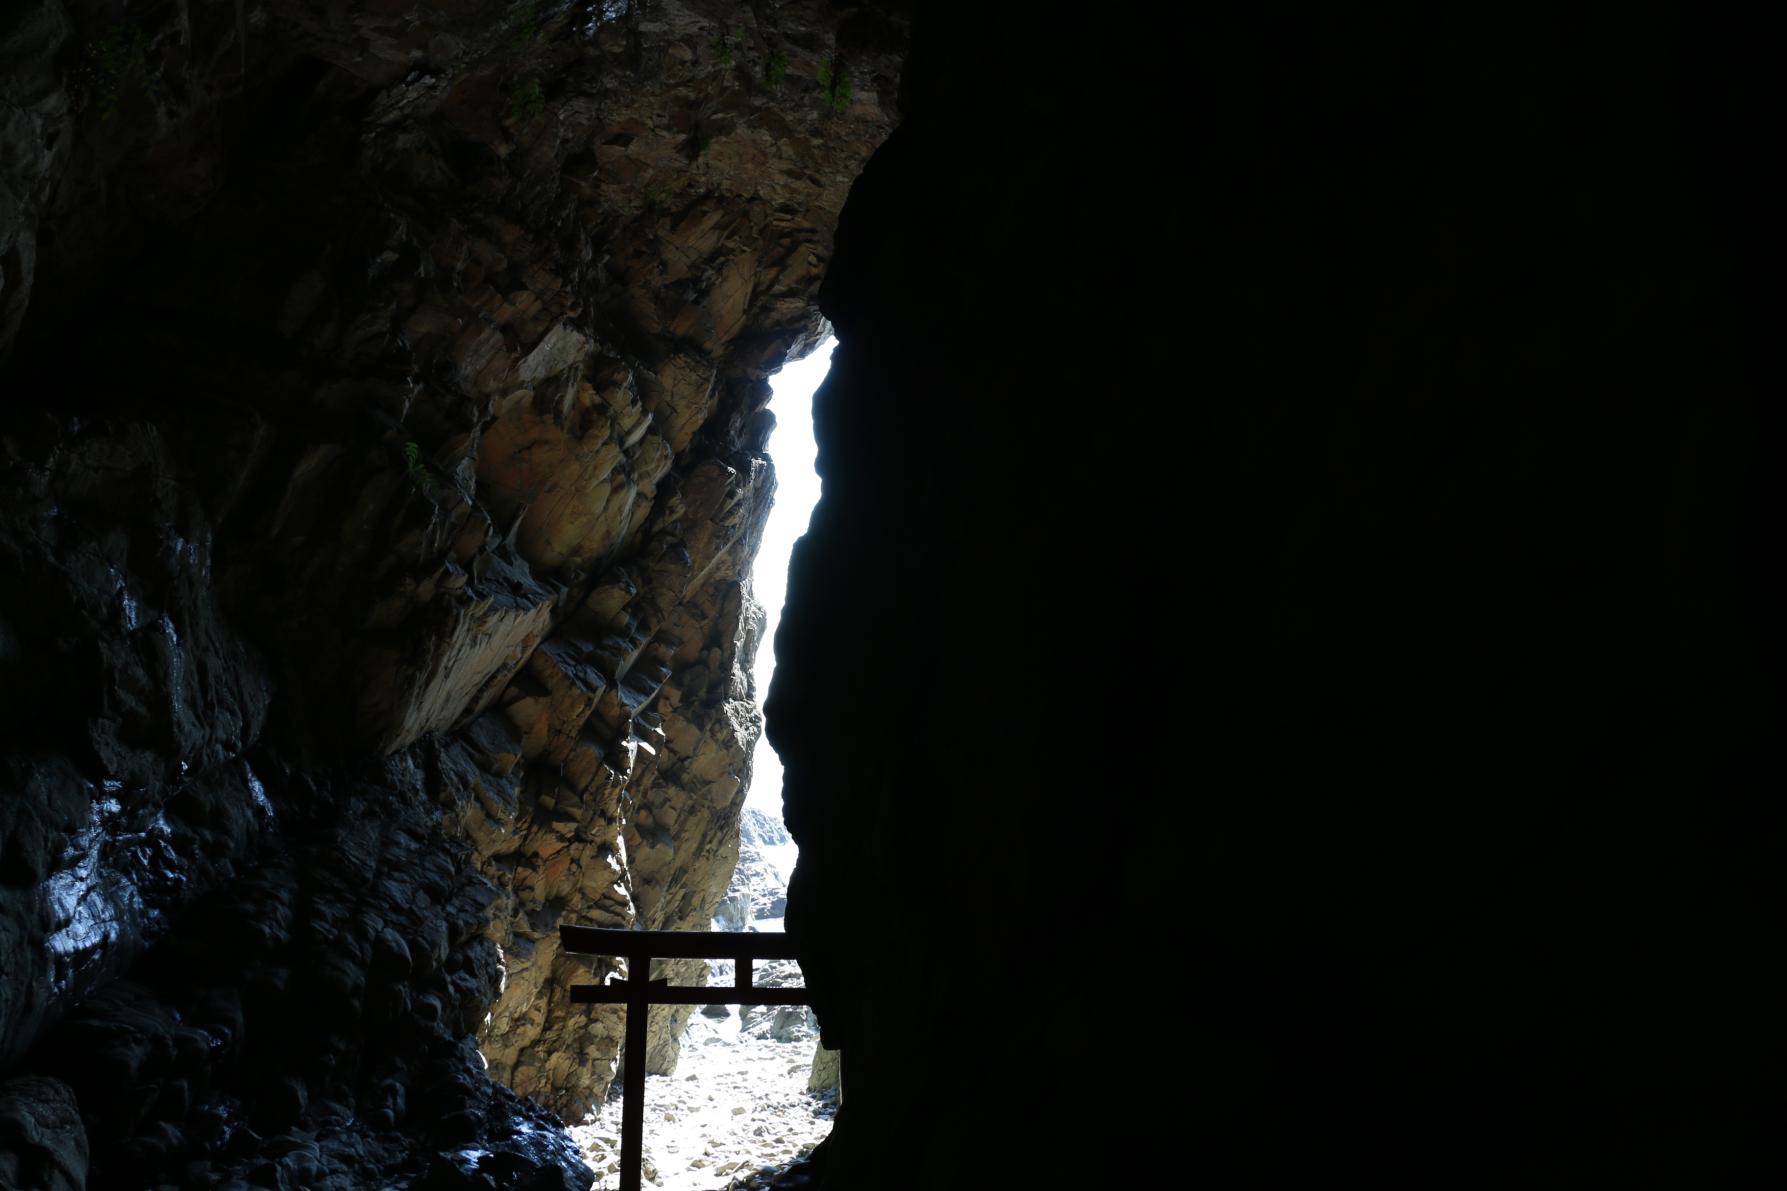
[(794, 452), (738, 1105)]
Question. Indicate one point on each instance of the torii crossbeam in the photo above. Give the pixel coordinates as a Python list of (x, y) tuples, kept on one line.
[(638, 992)]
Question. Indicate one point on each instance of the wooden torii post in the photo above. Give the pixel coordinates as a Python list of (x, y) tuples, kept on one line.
[(638, 992)]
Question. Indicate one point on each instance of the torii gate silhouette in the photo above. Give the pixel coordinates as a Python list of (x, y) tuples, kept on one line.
[(638, 992)]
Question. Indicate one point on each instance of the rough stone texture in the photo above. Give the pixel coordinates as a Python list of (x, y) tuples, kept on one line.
[(758, 890), (825, 1071), (42, 1142), (784, 1023), (127, 703), (382, 409), (310, 1025), (35, 127), (1299, 500)]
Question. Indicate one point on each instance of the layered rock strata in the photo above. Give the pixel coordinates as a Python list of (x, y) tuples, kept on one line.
[(382, 449)]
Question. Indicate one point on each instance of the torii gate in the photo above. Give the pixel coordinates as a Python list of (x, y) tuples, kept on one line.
[(638, 992)]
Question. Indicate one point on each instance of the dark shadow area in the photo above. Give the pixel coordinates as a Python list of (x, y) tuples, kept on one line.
[(1296, 538)]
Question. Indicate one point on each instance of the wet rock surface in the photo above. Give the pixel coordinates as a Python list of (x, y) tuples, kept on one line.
[(43, 1143), (128, 703), (381, 463), (311, 1023)]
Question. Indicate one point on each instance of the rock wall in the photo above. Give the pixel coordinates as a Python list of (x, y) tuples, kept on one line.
[(382, 449), (1297, 546), (757, 897)]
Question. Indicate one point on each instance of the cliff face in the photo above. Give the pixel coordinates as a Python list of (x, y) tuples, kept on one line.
[(382, 452), (1297, 544)]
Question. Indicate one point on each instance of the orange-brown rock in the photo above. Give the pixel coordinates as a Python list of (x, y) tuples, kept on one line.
[(423, 367)]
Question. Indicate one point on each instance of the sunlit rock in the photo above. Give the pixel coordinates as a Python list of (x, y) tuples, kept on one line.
[(381, 439)]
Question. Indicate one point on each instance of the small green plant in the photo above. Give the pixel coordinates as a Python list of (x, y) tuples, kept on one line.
[(527, 99), (723, 49), (834, 86), (775, 69), (116, 65), (416, 470), (527, 26)]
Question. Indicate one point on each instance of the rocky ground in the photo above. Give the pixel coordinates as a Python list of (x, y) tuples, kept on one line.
[(737, 1111), (743, 1103)]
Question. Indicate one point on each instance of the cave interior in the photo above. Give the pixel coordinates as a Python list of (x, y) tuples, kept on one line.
[(1281, 685)]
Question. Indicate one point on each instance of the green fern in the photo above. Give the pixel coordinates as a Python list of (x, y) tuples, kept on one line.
[(417, 471), (527, 27), (834, 87), (776, 69), (527, 99)]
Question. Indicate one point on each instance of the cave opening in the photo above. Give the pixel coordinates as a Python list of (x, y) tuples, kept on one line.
[(752, 1091), (794, 453)]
